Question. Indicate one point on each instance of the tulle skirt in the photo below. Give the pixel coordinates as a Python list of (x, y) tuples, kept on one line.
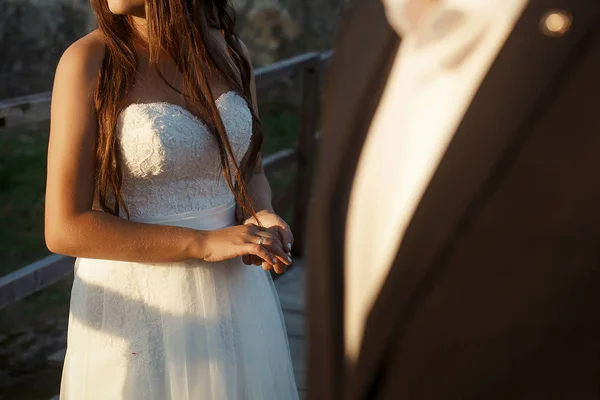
[(177, 331)]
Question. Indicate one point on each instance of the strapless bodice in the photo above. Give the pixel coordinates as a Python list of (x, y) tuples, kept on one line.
[(171, 162)]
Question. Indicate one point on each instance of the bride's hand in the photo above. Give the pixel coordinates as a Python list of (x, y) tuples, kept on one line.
[(276, 225), (243, 240)]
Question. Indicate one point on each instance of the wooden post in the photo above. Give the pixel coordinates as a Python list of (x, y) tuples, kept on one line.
[(309, 119)]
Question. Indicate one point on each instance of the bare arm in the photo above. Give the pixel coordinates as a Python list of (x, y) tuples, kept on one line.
[(261, 195), (258, 187), (72, 226)]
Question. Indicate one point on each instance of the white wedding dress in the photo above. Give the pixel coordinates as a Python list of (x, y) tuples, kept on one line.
[(178, 331)]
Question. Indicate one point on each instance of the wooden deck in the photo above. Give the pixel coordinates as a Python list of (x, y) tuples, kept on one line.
[(290, 287)]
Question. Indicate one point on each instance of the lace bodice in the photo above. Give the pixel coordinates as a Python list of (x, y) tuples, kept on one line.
[(171, 162)]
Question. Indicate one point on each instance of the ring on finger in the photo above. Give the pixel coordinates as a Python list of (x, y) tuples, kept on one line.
[(261, 241)]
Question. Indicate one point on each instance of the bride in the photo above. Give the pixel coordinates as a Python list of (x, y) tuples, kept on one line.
[(155, 184)]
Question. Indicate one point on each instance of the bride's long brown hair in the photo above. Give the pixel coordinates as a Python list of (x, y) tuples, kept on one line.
[(182, 30)]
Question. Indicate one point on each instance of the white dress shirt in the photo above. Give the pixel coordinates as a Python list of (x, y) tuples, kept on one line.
[(447, 49)]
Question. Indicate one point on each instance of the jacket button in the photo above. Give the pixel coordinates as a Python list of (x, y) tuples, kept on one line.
[(556, 23)]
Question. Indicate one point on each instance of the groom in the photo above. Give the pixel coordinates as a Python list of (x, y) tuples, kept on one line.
[(455, 232)]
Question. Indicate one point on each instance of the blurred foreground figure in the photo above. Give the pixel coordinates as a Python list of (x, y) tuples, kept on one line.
[(455, 229)]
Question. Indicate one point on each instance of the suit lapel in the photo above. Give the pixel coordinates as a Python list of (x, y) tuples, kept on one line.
[(364, 74), (511, 98), (354, 83)]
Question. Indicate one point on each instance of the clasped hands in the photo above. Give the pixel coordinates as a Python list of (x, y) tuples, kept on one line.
[(274, 235)]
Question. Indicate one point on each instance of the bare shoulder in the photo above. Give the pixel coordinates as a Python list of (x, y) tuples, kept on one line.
[(83, 59), (75, 84)]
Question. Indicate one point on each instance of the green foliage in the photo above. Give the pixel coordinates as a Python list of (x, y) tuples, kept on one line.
[(280, 125), (22, 182)]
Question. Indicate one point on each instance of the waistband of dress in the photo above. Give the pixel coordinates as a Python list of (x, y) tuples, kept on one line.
[(213, 218)]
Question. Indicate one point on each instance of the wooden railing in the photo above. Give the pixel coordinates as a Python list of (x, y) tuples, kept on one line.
[(43, 273)]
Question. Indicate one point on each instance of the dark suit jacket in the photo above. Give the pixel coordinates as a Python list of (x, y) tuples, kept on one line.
[(495, 289)]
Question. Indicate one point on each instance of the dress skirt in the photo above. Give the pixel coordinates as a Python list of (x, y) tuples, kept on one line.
[(176, 331)]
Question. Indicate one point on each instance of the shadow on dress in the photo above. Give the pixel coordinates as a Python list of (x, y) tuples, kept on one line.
[(168, 351)]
